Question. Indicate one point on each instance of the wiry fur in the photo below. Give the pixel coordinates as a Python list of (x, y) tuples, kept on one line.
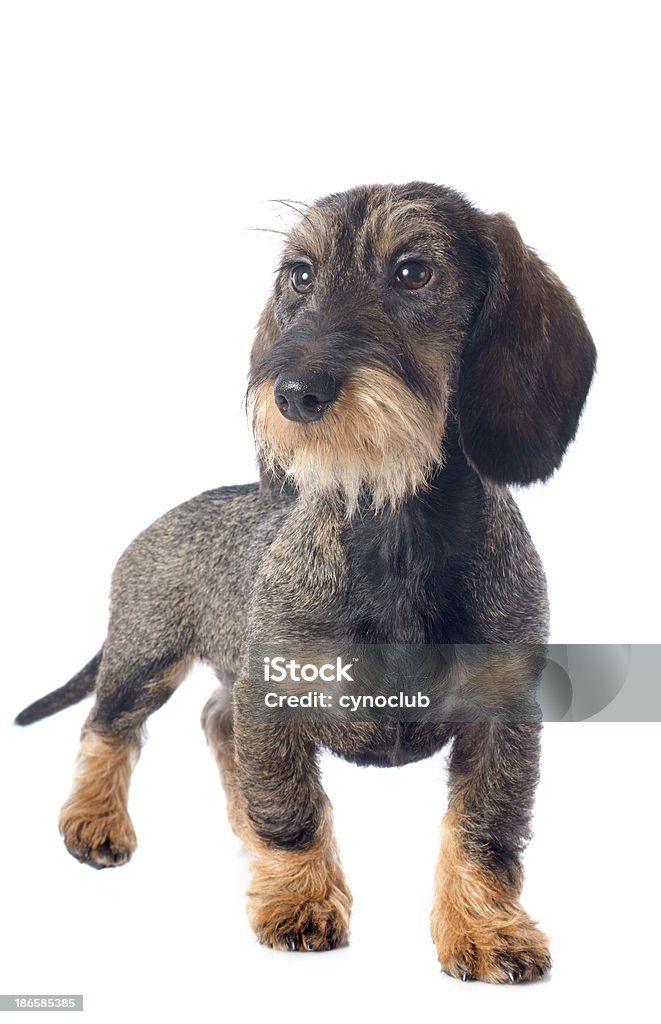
[(387, 521), (479, 926), (95, 818)]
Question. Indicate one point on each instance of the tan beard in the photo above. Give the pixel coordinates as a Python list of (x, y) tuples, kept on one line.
[(377, 438)]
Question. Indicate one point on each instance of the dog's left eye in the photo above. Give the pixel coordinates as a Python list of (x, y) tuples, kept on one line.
[(412, 275), (302, 278)]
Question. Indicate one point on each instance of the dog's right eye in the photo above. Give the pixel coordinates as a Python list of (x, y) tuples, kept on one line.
[(412, 275), (302, 278)]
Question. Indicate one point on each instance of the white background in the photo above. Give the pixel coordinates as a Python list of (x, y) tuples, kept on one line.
[(140, 143)]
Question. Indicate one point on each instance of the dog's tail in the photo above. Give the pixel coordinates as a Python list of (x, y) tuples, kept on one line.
[(78, 687)]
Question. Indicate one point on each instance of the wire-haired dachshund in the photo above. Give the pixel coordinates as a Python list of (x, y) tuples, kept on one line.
[(414, 359)]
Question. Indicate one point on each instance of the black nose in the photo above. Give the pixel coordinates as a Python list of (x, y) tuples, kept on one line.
[(304, 397)]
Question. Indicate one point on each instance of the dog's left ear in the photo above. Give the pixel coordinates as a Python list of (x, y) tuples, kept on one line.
[(526, 368)]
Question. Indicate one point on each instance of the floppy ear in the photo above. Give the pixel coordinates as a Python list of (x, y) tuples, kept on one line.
[(265, 335), (526, 368)]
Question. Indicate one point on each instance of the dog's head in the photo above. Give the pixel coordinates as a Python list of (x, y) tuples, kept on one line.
[(395, 308)]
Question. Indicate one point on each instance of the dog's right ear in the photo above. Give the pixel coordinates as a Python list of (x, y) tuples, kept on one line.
[(267, 332), (526, 368)]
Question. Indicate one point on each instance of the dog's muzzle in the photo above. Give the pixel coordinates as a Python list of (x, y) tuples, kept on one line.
[(304, 398)]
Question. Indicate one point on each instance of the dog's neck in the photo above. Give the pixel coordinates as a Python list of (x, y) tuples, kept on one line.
[(406, 565)]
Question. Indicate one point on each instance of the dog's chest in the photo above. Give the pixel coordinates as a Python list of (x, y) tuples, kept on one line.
[(405, 568), (400, 576)]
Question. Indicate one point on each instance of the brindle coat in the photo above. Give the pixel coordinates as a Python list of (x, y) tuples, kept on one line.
[(386, 518)]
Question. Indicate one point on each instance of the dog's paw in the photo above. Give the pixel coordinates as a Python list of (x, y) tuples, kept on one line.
[(305, 926), (499, 957), (105, 841)]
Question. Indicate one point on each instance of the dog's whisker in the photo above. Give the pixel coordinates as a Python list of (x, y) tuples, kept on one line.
[(293, 204), (270, 231)]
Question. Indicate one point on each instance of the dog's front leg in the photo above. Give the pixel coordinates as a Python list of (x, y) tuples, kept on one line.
[(298, 898), (479, 927)]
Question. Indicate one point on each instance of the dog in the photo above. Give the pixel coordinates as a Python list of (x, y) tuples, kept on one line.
[(415, 358)]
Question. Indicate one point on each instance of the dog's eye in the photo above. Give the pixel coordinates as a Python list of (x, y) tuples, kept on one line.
[(302, 278), (412, 275)]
